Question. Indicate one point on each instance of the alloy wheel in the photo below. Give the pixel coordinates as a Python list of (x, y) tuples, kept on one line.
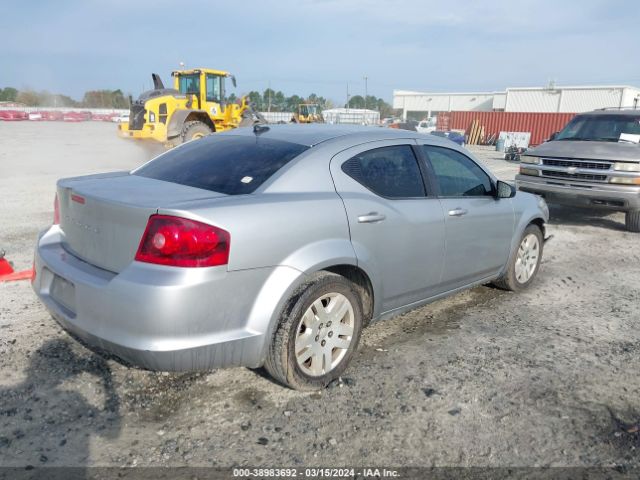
[(527, 258), (324, 334)]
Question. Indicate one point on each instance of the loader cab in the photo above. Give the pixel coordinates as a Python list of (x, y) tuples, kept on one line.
[(189, 84), (308, 109), (308, 113), (206, 89)]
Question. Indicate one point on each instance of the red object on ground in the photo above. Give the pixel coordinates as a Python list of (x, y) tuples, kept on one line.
[(14, 277), (8, 275), (5, 267), (540, 124)]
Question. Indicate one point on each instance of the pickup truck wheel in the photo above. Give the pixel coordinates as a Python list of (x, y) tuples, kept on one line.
[(194, 130), (317, 335), (632, 221), (525, 263)]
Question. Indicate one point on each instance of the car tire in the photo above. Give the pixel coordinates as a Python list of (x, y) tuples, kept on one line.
[(632, 221), (524, 264), (316, 333), (194, 130)]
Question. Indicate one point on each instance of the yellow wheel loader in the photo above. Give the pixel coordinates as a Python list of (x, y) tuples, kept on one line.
[(307, 113), (193, 108)]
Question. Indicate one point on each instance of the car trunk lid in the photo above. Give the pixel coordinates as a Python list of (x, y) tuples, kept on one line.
[(103, 217)]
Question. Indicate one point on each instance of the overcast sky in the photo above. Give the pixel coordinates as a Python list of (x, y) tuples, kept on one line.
[(320, 46)]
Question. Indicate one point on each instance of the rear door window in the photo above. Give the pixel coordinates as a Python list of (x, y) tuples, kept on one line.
[(232, 165), (391, 172)]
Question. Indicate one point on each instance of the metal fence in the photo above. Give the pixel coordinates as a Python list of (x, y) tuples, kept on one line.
[(277, 117), (351, 116)]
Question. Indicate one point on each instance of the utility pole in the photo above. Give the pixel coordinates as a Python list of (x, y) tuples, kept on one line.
[(348, 96), (365, 91)]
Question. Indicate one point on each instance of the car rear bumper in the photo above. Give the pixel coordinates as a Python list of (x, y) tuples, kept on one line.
[(594, 195), (160, 318)]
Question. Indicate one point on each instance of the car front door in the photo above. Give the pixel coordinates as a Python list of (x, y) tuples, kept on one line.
[(396, 225), (479, 226)]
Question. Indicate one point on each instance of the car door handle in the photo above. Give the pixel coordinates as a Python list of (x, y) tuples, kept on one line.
[(371, 217), (457, 212)]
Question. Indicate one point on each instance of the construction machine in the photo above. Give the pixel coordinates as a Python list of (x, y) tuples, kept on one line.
[(307, 113), (196, 106)]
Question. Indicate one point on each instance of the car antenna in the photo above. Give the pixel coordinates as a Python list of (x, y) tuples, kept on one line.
[(258, 129)]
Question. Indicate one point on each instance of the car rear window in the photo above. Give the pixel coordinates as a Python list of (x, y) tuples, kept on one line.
[(232, 165)]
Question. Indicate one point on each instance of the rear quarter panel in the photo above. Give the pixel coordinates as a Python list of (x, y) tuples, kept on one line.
[(300, 230)]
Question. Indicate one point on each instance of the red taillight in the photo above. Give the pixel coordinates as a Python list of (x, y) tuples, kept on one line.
[(56, 211), (181, 242)]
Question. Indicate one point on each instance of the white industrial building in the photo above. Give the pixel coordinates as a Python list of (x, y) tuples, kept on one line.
[(534, 99)]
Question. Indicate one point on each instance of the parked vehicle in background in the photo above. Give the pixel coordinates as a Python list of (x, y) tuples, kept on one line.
[(13, 115), (121, 118), (277, 245), (408, 125), (308, 113), (594, 162), (455, 137), (76, 116), (52, 115), (103, 117), (426, 126)]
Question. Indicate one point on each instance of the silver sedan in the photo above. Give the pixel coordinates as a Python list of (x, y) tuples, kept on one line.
[(275, 246)]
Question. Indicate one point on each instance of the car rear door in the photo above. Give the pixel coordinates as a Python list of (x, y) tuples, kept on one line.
[(396, 225), (479, 226)]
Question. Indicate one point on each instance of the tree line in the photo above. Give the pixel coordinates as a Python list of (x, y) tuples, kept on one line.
[(268, 100), (91, 99), (276, 101), (372, 103)]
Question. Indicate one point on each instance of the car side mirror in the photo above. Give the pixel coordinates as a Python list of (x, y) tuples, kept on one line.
[(552, 136), (505, 190)]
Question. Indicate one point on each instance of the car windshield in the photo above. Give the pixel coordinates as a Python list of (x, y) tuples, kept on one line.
[(232, 165), (601, 128)]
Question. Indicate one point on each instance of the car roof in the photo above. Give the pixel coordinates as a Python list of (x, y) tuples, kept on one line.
[(313, 134), (614, 111)]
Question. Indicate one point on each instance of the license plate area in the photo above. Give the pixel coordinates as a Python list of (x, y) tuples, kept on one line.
[(63, 292)]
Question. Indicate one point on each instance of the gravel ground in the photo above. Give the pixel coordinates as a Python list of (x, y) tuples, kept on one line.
[(484, 378)]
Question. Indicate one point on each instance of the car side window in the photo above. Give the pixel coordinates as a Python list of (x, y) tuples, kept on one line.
[(391, 172), (456, 174)]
